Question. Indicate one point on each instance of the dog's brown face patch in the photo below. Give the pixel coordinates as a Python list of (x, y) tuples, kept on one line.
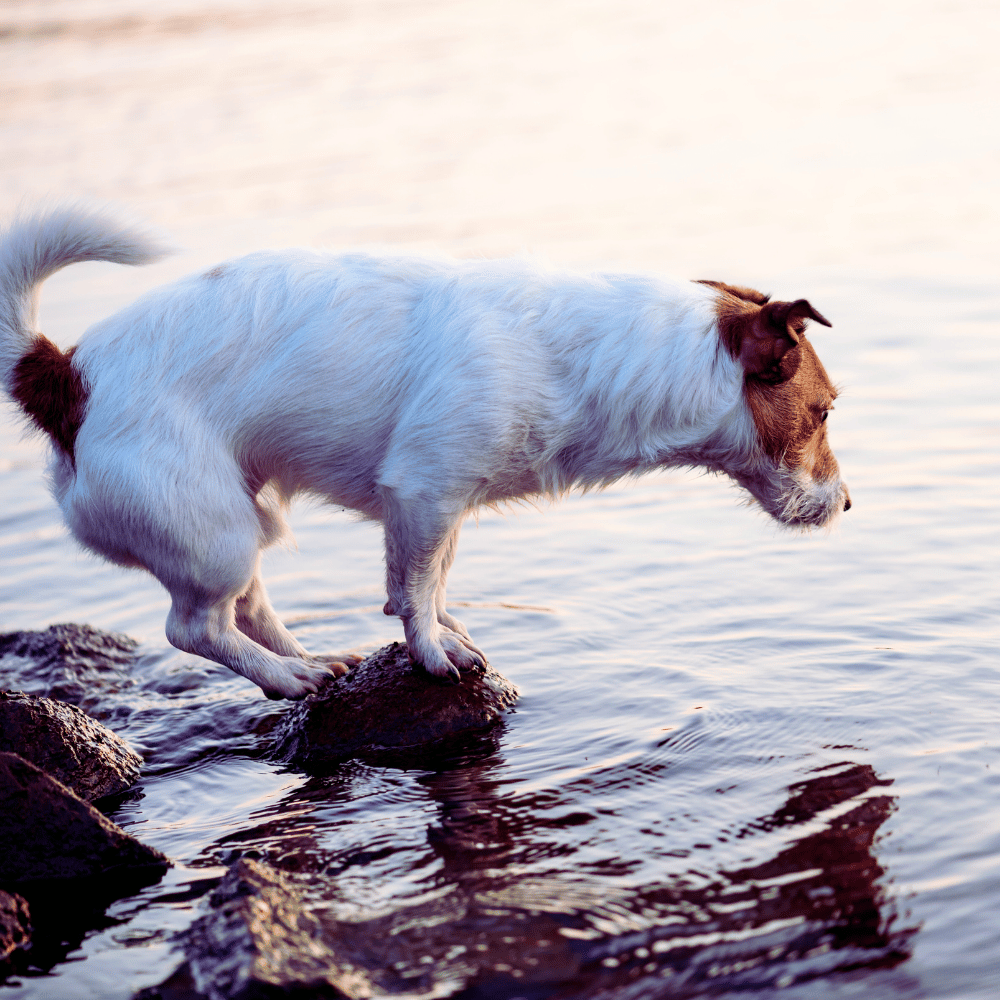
[(790, 414), (787, 390)]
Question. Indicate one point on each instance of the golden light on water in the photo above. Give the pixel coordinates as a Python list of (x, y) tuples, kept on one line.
[(759, 138)]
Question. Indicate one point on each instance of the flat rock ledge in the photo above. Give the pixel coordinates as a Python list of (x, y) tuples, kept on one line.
[(48, 832), (68, 744), (258, 939), (383, 703)]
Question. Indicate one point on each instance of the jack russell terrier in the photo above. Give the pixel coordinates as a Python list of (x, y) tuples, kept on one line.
[(410, 390)]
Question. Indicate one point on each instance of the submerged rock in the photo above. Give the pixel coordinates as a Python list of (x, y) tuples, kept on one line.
[(258, 939), (49, 832), (77, 664), (15, 926), (384, 703), (72, 747)]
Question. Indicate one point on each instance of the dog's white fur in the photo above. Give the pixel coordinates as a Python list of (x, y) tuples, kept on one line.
[(411, 390)]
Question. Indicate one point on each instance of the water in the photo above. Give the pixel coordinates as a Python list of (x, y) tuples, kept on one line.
[(743, 759)]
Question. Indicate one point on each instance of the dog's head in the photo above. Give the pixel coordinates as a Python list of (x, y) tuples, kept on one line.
[(793, 474)]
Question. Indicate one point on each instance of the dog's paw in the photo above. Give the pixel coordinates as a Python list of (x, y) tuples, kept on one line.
[(295, 679), (451, 623), (443, 675), (446, 656), (463, 655), (471, 659)]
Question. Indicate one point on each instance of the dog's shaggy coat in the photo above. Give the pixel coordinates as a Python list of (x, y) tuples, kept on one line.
[(411, 390)]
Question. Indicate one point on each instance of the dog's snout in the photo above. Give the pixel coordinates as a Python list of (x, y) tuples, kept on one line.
[(847, 500)]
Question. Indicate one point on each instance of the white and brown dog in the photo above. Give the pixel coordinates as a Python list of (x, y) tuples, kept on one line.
[(411, 390)]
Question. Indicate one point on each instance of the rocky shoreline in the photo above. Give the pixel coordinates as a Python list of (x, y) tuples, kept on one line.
[(64, 860)]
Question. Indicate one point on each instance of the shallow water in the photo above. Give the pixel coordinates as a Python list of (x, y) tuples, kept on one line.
[(742, 759)]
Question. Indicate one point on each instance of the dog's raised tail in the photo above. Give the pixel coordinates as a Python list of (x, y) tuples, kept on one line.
[(33, 371)]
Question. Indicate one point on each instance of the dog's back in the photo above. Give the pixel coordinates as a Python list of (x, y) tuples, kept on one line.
[(312, 367)]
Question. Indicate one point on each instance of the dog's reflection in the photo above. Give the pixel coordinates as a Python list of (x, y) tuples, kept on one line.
[(505, 904)]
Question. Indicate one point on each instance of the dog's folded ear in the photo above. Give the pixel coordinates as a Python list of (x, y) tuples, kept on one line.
[(775, 330)]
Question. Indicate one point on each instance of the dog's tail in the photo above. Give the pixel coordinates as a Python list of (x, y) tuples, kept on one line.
[(33, 371)]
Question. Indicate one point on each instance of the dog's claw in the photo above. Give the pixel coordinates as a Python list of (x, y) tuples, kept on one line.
[(452, 676), (477, 666), (477, 658)]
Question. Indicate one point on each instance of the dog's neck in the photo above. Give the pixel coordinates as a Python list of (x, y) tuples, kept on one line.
[(662, 391)]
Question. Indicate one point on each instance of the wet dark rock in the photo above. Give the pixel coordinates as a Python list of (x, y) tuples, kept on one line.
[(384, 703), (48, 832), (73, 663), (15, 926), (258, 940), (72, 747)]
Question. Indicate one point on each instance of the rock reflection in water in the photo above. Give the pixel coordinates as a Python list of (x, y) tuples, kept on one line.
[(499, 909)]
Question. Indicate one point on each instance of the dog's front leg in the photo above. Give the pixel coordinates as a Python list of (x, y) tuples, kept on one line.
[(419, 547), (449, 621), (447, 558)]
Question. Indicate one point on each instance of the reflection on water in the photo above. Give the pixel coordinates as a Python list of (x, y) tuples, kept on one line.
[(813, 907), (494, 897), (447, 870)]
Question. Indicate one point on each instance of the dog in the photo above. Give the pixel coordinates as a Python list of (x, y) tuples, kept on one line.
[(411, 390)]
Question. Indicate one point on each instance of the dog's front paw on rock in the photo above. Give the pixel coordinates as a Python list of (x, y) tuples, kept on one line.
[(451, 656), (383, 703), (463, 652)]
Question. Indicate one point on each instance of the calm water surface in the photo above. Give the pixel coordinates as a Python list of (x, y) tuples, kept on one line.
[(743, 760)]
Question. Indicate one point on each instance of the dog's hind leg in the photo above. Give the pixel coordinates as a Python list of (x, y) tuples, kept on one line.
[(419, 540), (257, 620), (203, 624), (202, 621), (208, 564), (199, 532)]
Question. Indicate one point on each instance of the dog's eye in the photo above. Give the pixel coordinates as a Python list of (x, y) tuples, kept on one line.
[(822, 419)]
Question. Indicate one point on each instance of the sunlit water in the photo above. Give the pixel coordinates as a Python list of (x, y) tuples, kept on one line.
[(742, 759)]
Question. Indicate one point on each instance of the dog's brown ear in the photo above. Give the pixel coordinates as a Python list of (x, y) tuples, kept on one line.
[(776, 329), (794, 314)]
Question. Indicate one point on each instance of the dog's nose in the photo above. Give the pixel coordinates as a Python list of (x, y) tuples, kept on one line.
[(847, 500)]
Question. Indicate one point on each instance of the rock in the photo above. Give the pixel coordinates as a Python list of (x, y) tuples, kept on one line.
[(73, 663), (15, 926), (49, 832), (258, 940), (69, 745), (384, 703)]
